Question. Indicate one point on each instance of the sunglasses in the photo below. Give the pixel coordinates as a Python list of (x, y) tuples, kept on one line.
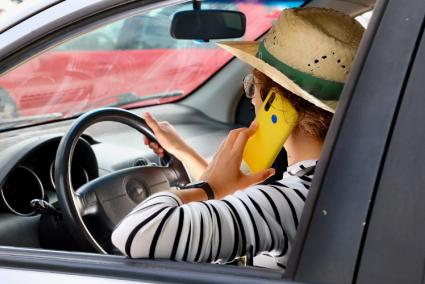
[(249, 86)]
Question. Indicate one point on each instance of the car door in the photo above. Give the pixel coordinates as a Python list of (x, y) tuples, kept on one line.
[(332, 232), (353, 228), (394, 243)]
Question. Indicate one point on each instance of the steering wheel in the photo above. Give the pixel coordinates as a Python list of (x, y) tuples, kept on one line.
[(103, 202)]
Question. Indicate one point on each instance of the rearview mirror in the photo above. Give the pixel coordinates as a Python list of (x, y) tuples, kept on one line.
[(208, 24)]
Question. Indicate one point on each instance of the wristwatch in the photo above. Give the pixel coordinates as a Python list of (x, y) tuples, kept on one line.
[(200, 184)]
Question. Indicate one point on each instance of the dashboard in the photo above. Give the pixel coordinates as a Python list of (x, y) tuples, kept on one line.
[(33, 175), (27, 163)]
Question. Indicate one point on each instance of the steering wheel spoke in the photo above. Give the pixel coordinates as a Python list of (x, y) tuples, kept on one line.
[(85, 203)]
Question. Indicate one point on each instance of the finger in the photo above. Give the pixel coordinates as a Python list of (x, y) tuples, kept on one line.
[(257, 177), (239, 145), (146, 141), (219, 151), (254, 124), (227, 144), (253, 127), (233, 135), (222, 144), (153, 145), (152, 122)]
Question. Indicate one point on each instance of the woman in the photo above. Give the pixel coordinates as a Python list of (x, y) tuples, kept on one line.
[(307, 55)]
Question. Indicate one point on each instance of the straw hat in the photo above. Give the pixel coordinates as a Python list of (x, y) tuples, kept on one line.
[(309, 51)]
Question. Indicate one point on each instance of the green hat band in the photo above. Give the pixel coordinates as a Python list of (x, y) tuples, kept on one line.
[(322, 89)]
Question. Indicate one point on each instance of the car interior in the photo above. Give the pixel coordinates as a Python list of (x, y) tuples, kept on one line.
[(30, 215)]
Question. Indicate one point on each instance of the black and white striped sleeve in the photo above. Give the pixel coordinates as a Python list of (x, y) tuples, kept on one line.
[(264, 216)]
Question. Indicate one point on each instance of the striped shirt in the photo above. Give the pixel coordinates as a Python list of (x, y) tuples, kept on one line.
[(264, 217)]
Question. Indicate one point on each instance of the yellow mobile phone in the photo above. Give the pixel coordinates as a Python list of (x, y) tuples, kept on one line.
[(276, 119)]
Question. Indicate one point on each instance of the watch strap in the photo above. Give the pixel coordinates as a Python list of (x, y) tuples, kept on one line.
[(203, 185)]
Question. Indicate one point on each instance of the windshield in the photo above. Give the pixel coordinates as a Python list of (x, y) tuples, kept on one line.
[(130, 63)]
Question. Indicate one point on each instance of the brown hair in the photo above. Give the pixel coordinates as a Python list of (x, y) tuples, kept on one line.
[(312, 120)]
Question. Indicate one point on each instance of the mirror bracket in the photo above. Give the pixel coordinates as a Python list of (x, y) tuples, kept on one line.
[(197, 4)]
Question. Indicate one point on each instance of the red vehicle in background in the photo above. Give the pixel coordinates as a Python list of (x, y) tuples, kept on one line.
[(132, 61)]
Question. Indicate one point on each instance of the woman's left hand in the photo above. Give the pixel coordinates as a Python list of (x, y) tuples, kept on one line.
[(223, 173)]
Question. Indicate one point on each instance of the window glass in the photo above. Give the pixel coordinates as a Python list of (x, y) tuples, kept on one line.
[(128, 63), (105, 38)]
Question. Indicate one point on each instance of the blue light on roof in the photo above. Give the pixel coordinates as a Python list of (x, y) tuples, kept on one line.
[(272, 3)]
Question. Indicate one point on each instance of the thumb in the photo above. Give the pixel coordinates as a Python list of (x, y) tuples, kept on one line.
[(151, 122), (257, 177)]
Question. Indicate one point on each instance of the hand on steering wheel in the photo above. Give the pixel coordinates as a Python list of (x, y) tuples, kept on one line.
[(107, 199), (168, 138)]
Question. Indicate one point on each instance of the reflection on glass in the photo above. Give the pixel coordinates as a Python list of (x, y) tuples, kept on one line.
[(128, 63)]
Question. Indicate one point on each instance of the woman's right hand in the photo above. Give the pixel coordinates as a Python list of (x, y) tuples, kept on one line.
[(167, 136), (223, 174)]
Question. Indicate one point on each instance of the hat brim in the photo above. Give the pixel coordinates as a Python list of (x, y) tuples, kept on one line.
[(247, 51)]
